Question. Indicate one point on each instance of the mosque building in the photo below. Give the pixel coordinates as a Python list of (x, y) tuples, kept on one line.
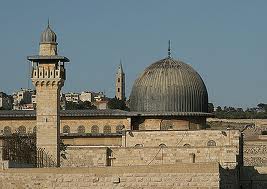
[(169, 95), (166, 123)]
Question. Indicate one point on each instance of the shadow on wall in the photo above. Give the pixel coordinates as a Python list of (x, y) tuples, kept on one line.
[(253, 177)]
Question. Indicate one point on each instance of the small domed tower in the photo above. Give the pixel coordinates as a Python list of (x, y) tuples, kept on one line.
[(48, 76), (48, 42), (120, 83)]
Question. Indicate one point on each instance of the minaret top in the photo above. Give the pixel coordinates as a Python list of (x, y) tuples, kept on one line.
[(48, 35), (48, 48)]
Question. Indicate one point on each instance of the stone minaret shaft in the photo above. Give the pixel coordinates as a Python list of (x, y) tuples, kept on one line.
[(120, 83), (48, 76)]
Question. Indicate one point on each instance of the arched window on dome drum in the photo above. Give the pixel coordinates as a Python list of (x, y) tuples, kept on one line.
[(119, 128), (66, 129), (107, 129), (81, 129), (187, 145), (211, 143), (34, 130), (95, 129), (22, 130), (7, 130), (166, 125)]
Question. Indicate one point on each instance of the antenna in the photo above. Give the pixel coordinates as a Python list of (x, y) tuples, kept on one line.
[(29, 75), (169, 49)]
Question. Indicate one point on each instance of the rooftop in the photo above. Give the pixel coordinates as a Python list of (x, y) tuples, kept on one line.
[(96, 113)]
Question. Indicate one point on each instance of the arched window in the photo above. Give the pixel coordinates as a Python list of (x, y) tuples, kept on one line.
[(211, 143), (7, 130), (34, 130), (95, 129), (162, 145), (119, 128), (166, 125), (107, 129), (66, 129), (22, 130), (187, 145), (81, 129)]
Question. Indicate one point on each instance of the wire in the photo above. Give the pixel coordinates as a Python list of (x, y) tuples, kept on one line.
[(154, 157), (182, 138)]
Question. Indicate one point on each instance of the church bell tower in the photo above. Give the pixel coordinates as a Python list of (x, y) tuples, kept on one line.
[(48, 76), (120, 84)]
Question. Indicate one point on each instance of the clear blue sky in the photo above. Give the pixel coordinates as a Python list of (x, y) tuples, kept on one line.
[(225, 41)]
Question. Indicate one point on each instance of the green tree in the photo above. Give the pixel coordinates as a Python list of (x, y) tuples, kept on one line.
[(262, 106), (210, 108), (218, 109), (115, 103), (79, 106)]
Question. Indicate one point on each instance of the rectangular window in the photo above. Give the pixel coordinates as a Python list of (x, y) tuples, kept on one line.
[(118, 90)]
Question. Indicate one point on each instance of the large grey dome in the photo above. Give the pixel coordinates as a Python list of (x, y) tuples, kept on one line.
[(169, 85), (48, 36)]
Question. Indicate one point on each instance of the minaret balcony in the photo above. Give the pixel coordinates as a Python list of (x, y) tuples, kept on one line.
[(42, 73)]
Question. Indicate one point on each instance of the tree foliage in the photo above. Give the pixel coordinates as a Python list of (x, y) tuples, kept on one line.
[(115, 103), (259, 112), (210, 108), (86, 105)]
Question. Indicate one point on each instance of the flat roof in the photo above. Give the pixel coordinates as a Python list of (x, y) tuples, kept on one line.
[(38, 58), (99, 113)]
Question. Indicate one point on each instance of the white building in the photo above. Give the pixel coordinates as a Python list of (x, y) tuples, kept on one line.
[(22, 97), (87, 96), (72, 97)]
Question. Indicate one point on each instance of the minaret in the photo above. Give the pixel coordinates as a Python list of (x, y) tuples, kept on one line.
[(120, 83), (48, 76)]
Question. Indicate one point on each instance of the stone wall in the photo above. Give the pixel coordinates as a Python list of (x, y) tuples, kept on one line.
[(78, 156), (73, 124), (84, 157), (181, 138), (93, 141), (259, 125), (226, 156), (14, 124), (193, 176), (255, 153), (97, 121), (159, 124)]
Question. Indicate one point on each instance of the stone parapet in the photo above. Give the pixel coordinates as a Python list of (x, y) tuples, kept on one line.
[(193, 176)]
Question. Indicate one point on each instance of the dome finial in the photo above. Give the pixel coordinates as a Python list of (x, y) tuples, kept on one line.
[(169, 49)]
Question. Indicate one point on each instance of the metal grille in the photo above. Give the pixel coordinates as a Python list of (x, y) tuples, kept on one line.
[(21, 151)]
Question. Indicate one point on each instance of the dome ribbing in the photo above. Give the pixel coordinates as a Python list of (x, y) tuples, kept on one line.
[(169, 85), (48, 36)]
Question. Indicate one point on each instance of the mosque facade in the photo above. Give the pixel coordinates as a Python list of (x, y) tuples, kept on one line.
[(166, 124)]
